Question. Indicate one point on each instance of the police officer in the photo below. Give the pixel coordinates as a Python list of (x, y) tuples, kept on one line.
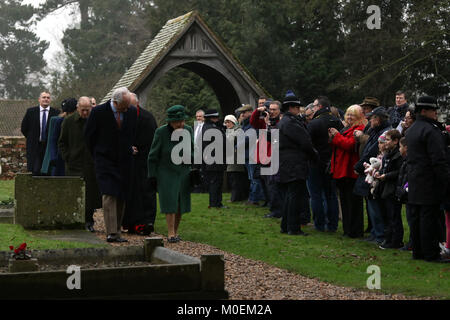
[(428, 177), (213, 172)]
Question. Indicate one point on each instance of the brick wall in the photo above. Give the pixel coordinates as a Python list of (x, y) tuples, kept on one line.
[(12, 156)]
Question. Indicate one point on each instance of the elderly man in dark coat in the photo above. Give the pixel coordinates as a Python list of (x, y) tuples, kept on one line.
[(78, 160), (428, 178), (140, 208), (35, 129), (295, 152), (110, 132)]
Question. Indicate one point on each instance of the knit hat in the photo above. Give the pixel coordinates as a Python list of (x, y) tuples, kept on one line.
[(176, 113), (290, 100), (231, 118), (69, 105)]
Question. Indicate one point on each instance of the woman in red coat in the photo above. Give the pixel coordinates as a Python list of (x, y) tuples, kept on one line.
[(345, 155)]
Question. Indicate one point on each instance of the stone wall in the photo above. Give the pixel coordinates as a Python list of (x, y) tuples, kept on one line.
[(12, 156)]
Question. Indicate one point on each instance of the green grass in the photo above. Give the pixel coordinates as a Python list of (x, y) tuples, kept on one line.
[(6, 190), (14, 235), (325, 256)]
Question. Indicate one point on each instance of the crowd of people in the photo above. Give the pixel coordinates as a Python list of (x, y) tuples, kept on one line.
[(331, 162)]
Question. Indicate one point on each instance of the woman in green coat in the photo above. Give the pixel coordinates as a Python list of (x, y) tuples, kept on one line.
[(173, 180)]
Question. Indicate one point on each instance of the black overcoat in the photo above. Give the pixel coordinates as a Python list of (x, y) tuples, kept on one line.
[(111, 148), (141, 205), (31, 128), (428, 174), (296, 149)]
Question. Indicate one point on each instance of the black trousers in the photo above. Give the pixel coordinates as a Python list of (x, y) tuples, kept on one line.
[(425, 231), (239, 184), (275, 197), (296, 196), (393, 229), (214, 181), (352, 208)]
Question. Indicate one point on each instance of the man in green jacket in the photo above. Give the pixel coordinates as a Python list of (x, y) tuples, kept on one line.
[(78, 160)]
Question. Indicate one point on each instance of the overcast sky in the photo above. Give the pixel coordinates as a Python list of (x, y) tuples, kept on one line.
[(51, 29)]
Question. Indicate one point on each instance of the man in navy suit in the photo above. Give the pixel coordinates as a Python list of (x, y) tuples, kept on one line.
[(110, 131), (35, 129)]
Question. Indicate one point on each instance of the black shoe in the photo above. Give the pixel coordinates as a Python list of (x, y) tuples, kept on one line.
[(271, 215), (178, 238), (90, 226), (115, 238), (148, 229), (283, 231), (297, 233), (172, 240), (440, 260), (265, 204)]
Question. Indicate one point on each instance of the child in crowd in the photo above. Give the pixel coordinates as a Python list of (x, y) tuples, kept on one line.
[(388, 175), (401, 191)]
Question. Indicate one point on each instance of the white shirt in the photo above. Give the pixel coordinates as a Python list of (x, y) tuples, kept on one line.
[(41, 114), (197, 131)]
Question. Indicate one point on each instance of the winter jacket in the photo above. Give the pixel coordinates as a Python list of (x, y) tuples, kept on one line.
[(345, 153), (390, 167), (370, 150), (296, 149), (214, 166), (428, 172), (400, 191), (318, 130)]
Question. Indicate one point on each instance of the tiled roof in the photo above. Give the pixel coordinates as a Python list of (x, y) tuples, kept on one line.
[(11, 115), (154, 50), (167, 37)]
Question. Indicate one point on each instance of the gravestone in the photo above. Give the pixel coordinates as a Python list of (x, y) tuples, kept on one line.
[(49, 202)]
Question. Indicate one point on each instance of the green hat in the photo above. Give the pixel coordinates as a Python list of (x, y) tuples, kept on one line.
[(176, 113)]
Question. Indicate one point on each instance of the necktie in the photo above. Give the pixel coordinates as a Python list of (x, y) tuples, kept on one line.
[(118, 119), (44, 125)]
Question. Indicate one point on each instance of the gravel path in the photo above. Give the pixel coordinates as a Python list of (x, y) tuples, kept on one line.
[(247, 279)]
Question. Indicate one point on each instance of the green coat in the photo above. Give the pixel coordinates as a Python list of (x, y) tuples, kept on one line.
[(78, 160), (173, 181)]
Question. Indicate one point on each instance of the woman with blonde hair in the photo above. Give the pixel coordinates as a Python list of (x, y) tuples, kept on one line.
[(345, 155)]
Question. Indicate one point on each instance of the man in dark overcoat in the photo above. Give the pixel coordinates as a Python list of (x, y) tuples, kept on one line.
[(77, 158), (428, 177), (213, 172), (140, 208), (109, 133), (35, 129), (295, 152)]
